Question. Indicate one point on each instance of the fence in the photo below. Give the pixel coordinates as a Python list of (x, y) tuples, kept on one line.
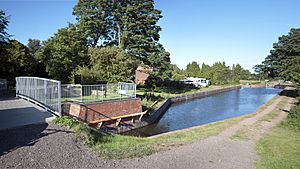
[(45, 92), (100, 92), (3, 84)]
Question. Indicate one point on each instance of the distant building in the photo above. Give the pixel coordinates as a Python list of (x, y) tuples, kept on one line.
[(142, 74)]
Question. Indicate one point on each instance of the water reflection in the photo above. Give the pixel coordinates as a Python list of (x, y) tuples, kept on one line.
[(214, 108)]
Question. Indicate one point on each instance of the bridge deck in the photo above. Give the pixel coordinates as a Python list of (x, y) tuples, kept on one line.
[(18, 112)]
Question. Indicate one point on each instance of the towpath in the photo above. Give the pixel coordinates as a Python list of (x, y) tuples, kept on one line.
[(51, 146)]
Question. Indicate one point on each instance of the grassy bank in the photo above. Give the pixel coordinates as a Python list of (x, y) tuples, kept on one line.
[(280, 148), (252, 82), (119, 147)]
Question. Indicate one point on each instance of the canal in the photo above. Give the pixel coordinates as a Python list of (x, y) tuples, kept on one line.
[(210, 109)]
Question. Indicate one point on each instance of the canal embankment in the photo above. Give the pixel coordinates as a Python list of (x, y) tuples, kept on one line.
[(159, 112)]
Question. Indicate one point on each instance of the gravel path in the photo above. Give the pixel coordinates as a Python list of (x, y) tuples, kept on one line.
[(51, 146)]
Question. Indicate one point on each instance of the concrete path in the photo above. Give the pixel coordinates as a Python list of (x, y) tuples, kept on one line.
[(18, 112)]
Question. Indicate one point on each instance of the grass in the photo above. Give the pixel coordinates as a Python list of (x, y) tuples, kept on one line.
[(279, 149), (241, 134), (268, 117), (93, 98), (244, 82), (118, 146)]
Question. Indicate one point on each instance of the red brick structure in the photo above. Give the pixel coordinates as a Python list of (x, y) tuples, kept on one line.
[(101, 110), (142, 74)]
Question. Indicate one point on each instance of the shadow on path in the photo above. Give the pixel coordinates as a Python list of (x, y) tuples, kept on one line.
[(26, 136)]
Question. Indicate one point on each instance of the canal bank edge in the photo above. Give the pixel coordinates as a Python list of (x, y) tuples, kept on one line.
[(159, 112)]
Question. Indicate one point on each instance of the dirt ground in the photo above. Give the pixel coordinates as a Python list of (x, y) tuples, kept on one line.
[(51, 146)]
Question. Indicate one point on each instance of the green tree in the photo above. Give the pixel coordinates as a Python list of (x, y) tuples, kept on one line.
[(221, 73), (129, 24), (4, 20), (94, 20), (284, 58), (18, 61), (246, 74), (64, 52), (108, 64), (261, 71), (35, 46), (206, 71), (177, 74), (160, 60), (193, 69), (4, 45), (236, 73)]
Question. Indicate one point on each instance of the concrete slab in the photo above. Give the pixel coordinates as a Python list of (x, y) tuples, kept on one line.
[(18, 112)]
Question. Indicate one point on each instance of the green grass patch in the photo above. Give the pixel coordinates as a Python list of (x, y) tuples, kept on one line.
[(247, 82), (268, 117), (279, 149), (241, 134), (118, 146)]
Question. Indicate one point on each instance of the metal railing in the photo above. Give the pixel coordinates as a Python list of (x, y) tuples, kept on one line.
[(99, 92), (44, 92), (3, 84)]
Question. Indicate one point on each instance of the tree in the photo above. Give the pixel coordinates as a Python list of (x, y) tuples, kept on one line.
[(284, 58), (129, 24), (160, 60), (177, 74), (261, 71), (193, 69), (245, 75), (18, 61), (4, 20), (35, 46), (137, 27), (64, 52), (94, 20), (236, 73), (108, 64), (205, 71), (220, 73)]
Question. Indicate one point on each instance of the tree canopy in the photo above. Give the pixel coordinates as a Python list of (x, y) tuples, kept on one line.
[(193, 69), (108, 64), (219, 73), (18, 61), (284, 59), (64, 52), (128, 24), (4, 20)]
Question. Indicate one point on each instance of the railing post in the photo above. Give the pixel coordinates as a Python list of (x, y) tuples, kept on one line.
[(134, 90), (45, 88), (81, 92), (59, 97), (17, 86)]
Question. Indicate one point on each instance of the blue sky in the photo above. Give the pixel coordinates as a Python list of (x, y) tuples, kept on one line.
[(234, 31)]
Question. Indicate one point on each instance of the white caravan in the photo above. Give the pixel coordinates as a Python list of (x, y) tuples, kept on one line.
[(198, 82)]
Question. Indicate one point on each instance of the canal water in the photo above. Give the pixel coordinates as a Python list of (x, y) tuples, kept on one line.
[(210, 109)]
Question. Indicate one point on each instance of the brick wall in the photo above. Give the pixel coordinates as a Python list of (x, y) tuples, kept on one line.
[(140, 77), (95, 111)]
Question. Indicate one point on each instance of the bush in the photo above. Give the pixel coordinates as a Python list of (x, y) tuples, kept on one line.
[(293, 119)]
